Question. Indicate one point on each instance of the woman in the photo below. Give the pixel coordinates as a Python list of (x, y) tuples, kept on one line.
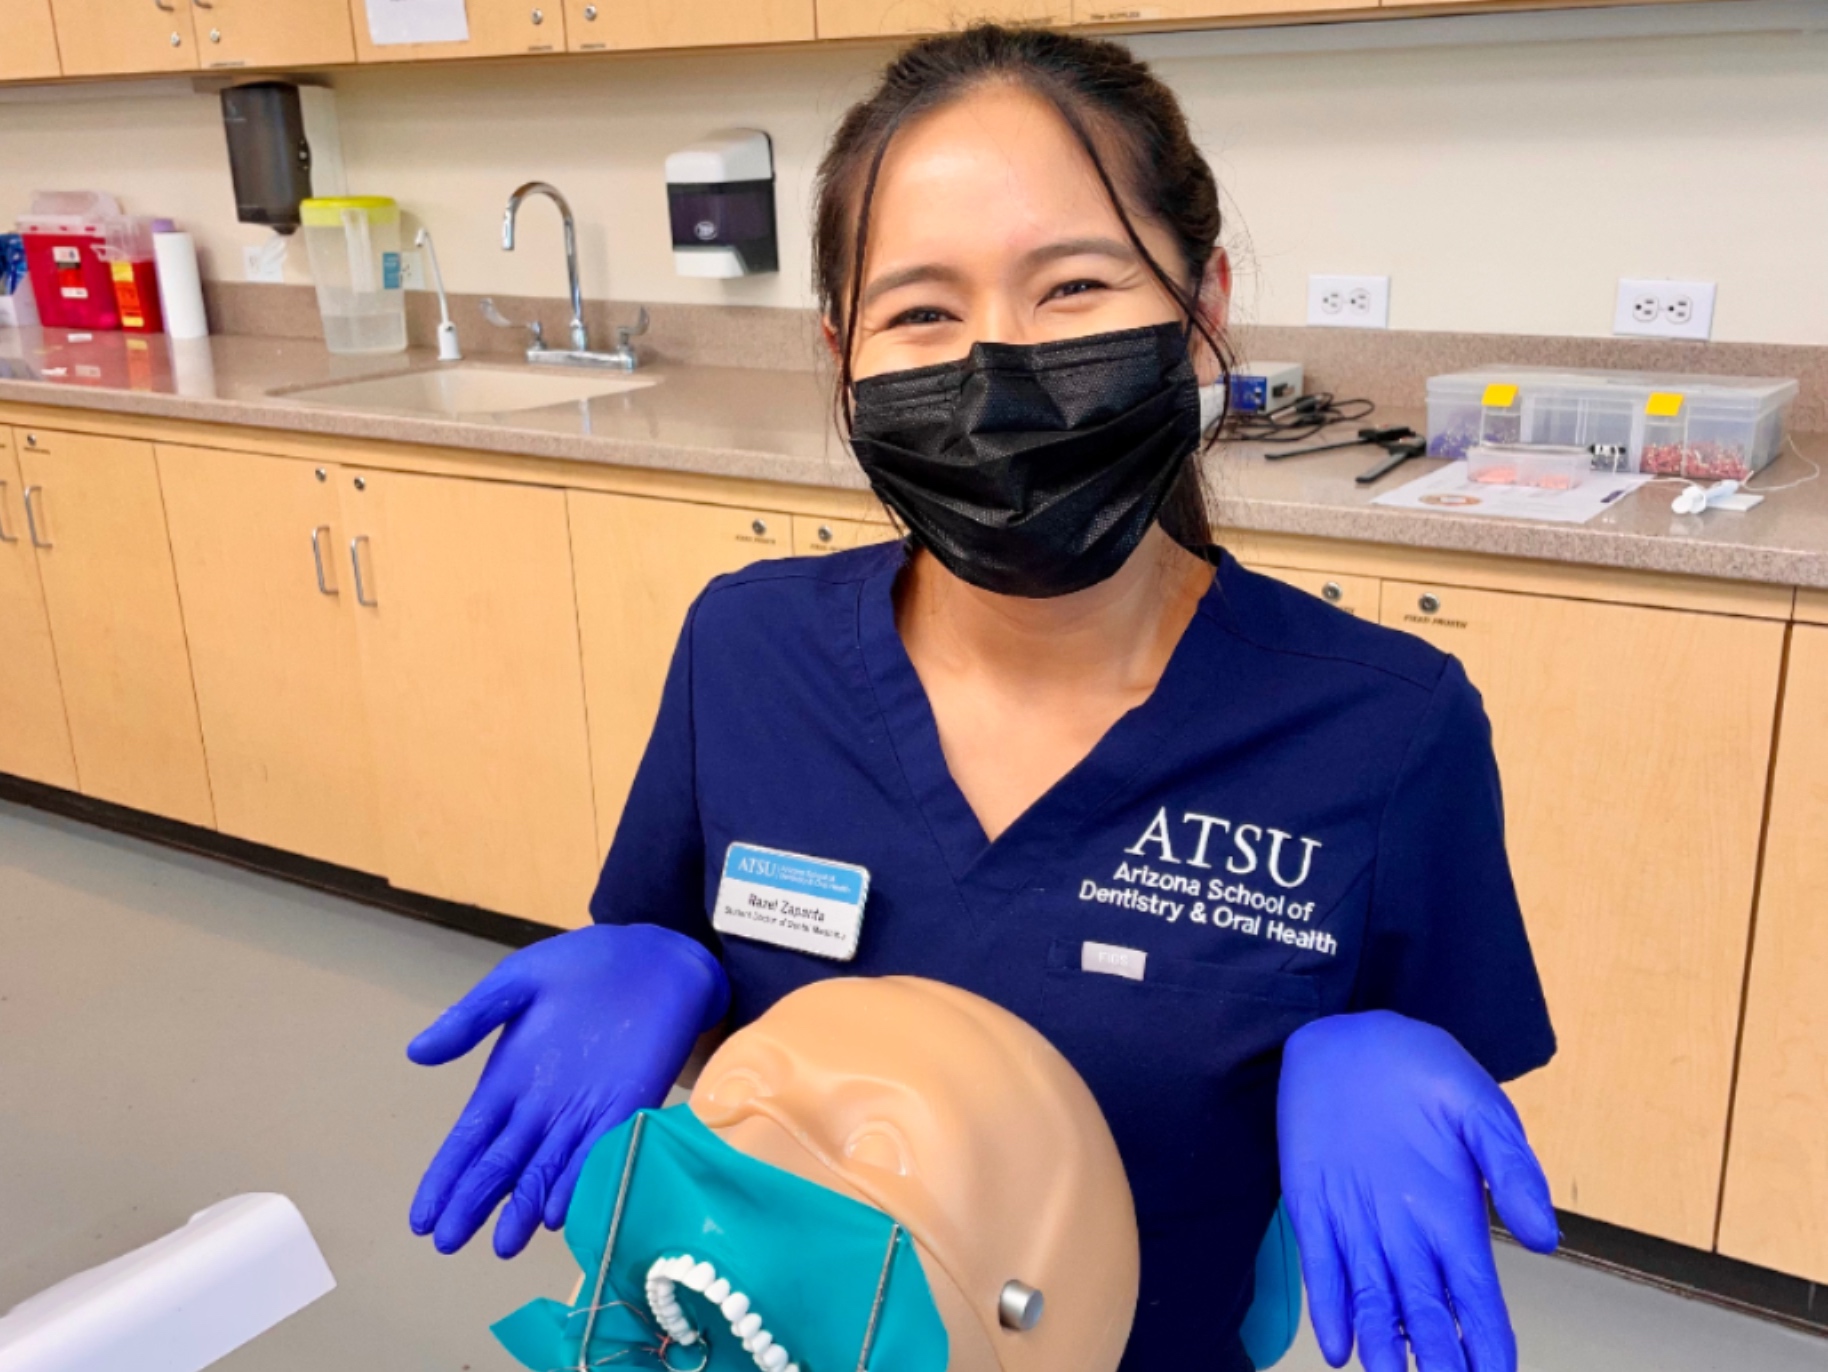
[(1234, 852)]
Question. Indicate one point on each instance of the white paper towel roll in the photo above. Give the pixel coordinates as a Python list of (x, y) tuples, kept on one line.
[(180, 285)]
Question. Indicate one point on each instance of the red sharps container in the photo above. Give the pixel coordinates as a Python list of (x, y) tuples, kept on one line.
[(136, 279), (66, 253)]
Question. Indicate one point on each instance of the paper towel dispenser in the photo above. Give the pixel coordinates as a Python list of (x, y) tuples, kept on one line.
[(720, 197)]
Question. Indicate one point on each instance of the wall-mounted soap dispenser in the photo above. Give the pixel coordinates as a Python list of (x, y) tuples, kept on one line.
[(720, 194)]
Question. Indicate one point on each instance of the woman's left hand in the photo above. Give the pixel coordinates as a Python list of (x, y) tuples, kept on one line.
[(1390, 1133)]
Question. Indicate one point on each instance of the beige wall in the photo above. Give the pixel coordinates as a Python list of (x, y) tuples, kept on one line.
[(1503, 186)]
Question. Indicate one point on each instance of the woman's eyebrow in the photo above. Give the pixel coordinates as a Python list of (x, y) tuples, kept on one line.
[(921, 272)]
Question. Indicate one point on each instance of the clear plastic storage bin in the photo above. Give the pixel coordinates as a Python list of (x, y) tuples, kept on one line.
[(1703, 427), (1520, 464)]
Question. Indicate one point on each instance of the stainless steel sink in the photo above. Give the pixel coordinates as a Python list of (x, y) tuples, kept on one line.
[(455, 392)]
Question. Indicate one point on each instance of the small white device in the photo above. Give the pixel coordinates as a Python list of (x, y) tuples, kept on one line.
[(1722, 495), (1265, 387), (720, 199)]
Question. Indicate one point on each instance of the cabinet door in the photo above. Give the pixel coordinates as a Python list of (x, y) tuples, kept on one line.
[(30, 50), (867, 18), (640, 564), (267, 33), (812, 535), (469, 648), (270, 619), (34, 740), (498, 28), (1633, 745), (112, 602), (1776, 1211), (596, 25), (1356, 595), (104, 37), (1133, 11)]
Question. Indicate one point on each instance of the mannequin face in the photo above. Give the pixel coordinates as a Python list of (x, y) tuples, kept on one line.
[(962, 1122)]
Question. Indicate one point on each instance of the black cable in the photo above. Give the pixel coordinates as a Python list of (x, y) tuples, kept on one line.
[(1295, 423)]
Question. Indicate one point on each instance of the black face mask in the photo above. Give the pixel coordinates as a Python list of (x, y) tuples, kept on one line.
[(1033, 469)]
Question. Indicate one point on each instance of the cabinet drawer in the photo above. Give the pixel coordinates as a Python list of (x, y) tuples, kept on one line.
[(1356, 595), (812, 535)]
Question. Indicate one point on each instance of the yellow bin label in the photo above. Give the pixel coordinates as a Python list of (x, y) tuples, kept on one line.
[(1500, 395), (1663, 404)]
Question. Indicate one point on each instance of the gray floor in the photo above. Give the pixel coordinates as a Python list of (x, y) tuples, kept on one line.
[(173, 1031)]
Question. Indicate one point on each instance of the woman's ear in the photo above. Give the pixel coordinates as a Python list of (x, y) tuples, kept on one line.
[(1215, 291)]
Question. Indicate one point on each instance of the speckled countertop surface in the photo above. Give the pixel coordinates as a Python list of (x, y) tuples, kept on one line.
[(775, 426)]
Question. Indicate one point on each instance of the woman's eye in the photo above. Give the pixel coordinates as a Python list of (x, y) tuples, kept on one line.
[(917, 316), (1071, 288)]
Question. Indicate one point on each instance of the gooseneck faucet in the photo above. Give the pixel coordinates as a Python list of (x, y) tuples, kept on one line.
[(580, 339)]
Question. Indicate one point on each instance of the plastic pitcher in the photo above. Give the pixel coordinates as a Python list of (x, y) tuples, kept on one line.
[(354, 245)]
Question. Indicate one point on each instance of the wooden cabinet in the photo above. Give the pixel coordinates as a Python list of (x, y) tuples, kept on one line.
[(640, 564), (869, 18), (1633, 745), (262, 570), (1776, 1201), (498, 28), (469, 650), (1151, 11), (106, 37), (112, 602), (30, 50), (267, 33), (813, 535), (1356, 595), (599, 25), (34, 740)]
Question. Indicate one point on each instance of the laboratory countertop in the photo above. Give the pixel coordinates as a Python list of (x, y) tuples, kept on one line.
[(776, 426)]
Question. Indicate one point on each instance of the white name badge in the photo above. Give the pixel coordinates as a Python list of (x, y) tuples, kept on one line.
[(792, 901)]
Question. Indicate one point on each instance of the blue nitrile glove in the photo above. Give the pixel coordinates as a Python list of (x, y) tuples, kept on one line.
[(1390, 1132), (599, 1023)]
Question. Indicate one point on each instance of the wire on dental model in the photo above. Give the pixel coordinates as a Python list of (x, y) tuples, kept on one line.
[(882, 1288), (665, 1278), (609, 1244)]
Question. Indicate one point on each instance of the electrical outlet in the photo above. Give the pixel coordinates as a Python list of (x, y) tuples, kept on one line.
[(1664, 309), (265, 262), (412, 269), (1349, 302)]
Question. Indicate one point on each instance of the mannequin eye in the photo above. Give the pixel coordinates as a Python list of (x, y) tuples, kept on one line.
[(880, 1147), (731, 1096)]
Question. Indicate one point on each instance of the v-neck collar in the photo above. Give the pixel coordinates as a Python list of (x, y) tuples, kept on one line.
[(988, 872)]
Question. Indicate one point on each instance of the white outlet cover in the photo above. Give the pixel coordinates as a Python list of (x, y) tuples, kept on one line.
[(1349, 302), (1664, 309), (265, 262)]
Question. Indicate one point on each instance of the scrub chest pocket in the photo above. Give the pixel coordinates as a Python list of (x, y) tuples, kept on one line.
[(1184, 1062)]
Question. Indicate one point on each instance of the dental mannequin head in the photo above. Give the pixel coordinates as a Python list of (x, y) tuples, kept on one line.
[(960, 1121)]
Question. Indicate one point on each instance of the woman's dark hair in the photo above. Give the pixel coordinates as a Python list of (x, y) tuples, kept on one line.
[(1112, 103)]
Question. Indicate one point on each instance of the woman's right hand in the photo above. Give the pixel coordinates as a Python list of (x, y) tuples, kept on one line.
[(599, 1022)]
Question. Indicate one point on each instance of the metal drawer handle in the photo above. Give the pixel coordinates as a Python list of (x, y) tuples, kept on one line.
[(355, 560), (31, 518), (5, 537), (1333, 591), (1429, 604), (758, 528), (539, 16), (317, 557), (825, 533), (590, 14)]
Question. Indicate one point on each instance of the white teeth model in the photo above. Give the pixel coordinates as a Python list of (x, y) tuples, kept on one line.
[(668, 1274)]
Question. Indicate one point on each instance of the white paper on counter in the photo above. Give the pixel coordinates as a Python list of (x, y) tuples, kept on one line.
[(1449, 490), (417, 21)]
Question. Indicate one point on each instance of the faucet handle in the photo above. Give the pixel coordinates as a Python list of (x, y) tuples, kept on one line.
[(492, 313), (626, 332)]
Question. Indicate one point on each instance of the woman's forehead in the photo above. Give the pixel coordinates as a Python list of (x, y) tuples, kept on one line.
[(995, 172)]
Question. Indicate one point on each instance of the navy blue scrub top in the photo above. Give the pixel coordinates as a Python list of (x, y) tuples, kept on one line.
[(1303, 819)]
